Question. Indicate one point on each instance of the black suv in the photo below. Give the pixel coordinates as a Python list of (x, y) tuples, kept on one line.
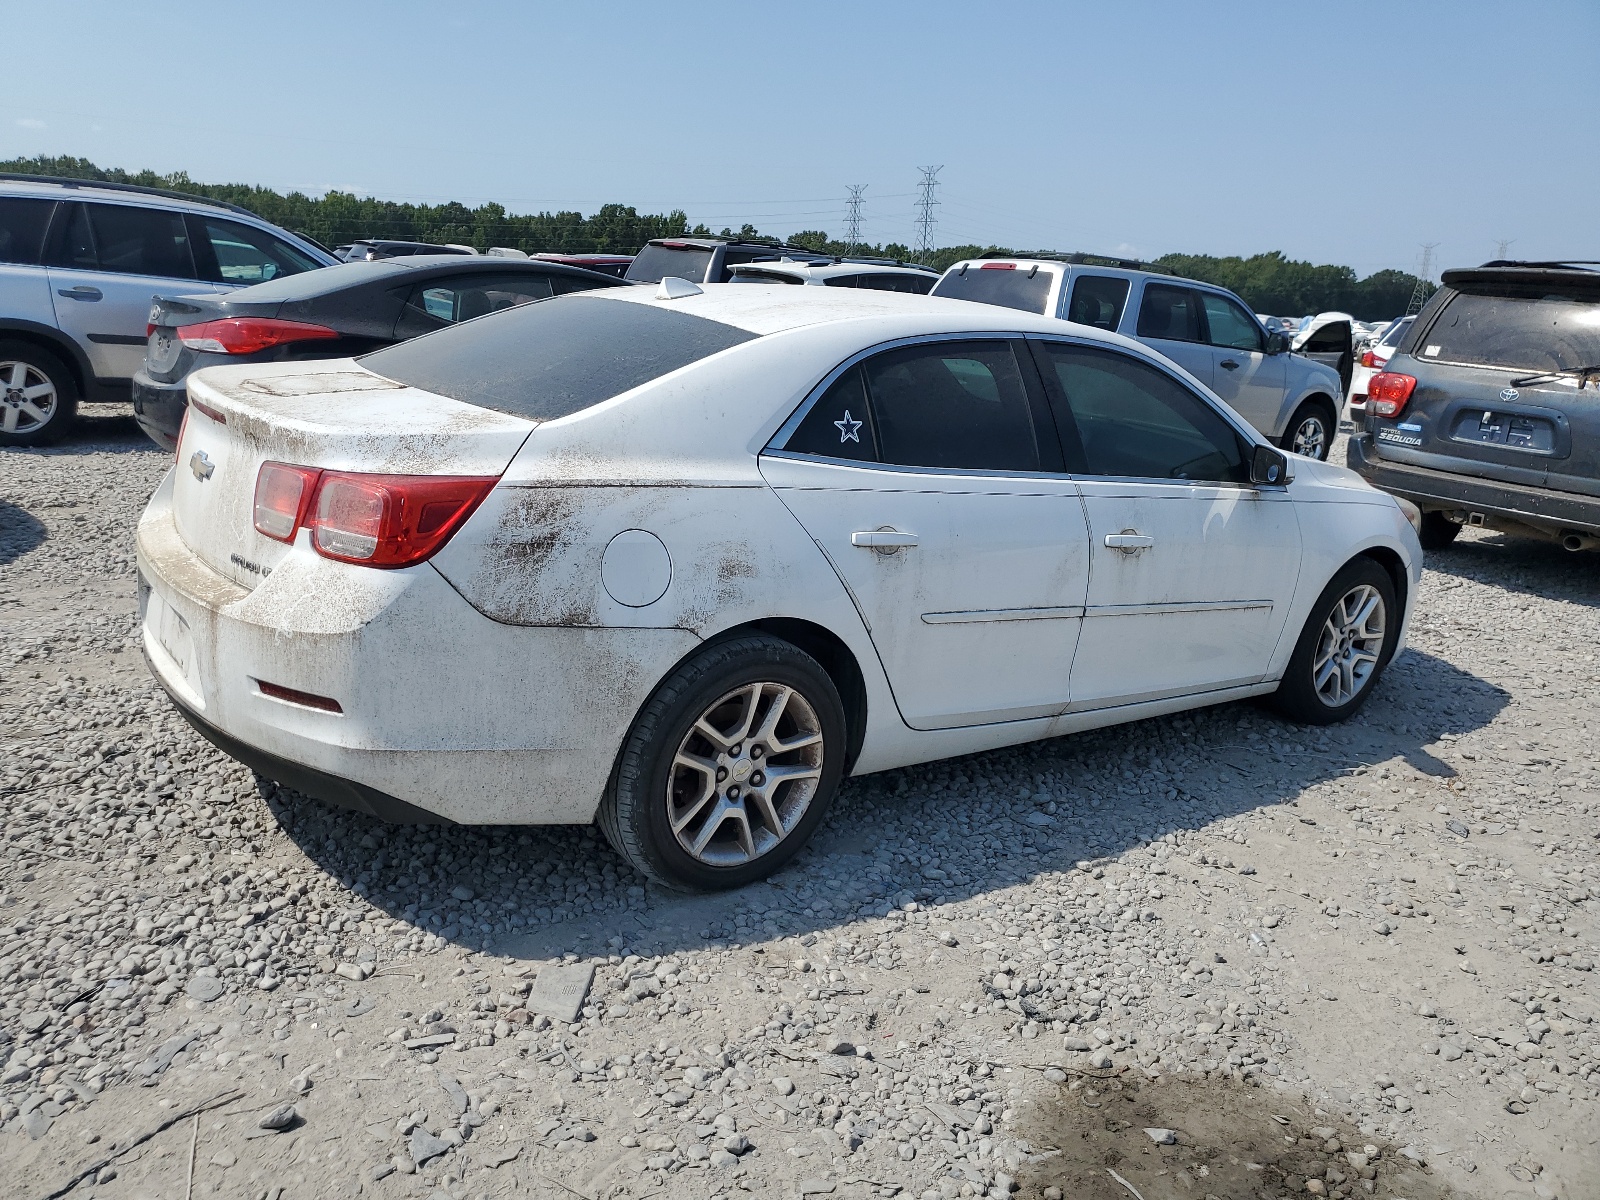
[(1489, 411)]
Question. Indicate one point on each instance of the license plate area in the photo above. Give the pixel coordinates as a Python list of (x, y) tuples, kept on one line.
[(1517, 431), (169, 630)]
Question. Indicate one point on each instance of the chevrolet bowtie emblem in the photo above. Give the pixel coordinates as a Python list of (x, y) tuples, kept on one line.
[(201, 465)]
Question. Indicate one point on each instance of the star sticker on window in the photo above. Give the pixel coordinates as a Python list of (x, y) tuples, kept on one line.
[(849, 430)]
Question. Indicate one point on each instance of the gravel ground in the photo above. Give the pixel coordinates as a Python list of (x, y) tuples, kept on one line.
[(1344, 962)]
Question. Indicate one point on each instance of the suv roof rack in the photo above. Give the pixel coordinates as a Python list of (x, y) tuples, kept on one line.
[(869, 261), (1080, 258), (1524, 262), (67, 181)]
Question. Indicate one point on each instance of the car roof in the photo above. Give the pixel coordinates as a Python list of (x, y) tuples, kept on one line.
[(51, 187), (777, 308), (826, 270)]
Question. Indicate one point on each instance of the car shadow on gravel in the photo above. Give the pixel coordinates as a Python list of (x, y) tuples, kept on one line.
[(1521, 566), (945, 831), (20, 532), (1207, 1137), (99, 429)]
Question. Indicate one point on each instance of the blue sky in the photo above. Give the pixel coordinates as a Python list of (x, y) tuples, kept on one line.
[(1338, 132)]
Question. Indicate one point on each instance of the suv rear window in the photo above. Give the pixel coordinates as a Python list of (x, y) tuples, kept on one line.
[(1522, 327), (1026, 288), (553, 358), (22, 226), (655, 262)]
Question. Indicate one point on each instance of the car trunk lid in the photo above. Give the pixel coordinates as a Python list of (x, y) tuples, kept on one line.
[(166, 358), (336, 417)]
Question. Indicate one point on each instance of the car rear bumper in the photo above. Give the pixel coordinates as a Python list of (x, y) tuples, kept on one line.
[(1445, 491), (445, 714), (159, 407)]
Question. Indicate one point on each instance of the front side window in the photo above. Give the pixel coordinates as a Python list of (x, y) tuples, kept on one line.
[(1136, 422), (1005, 284), (1229, 325), (461, 298), (140, 241), (1170, 313), (22, 225), (1098, 300), (247, 255)]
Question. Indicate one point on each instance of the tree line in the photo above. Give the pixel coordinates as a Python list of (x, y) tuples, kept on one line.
[(1269, 283)]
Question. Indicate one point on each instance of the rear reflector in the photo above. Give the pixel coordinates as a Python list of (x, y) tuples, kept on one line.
[(203, 407), (248, 335), (295, 696), (1388, 393), (373, 520), (998, 267)]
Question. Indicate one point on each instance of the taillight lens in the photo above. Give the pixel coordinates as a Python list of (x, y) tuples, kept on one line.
[(373, 520), (282, 496), (1369, 359), (248, 335), (1388, 393)]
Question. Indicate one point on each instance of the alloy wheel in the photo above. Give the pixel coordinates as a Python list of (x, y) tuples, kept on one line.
[(1349, 646), (27, 397), (745, 774), (1310, 437)]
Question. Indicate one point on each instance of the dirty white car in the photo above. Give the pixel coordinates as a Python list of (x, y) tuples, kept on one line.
[(679, 560)]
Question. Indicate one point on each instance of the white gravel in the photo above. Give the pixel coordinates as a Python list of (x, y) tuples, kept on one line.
[(1393, 923)]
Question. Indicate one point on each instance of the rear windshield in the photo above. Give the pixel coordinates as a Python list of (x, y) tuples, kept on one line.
[(554, 357), (1021, 287), (1532, 328), (655, 262), (1396, 332)]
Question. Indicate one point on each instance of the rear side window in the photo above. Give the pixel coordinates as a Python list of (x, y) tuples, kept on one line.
[(1535, 329), (1135, 422), (1025, 288), (248, 255), (141, 241), (655, 262), (556, 357), (839, 424), (1098, 300), (477, 295), (22, 226), (1171, 313)]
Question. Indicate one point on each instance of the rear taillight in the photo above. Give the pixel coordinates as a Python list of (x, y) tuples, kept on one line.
[(373, 520), (1388, 393), (283, 494), (248, 335), (1370, 360)]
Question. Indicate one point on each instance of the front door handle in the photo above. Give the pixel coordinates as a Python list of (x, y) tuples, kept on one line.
[(885, 541), (82, 292), (1228, 364), (1129, 542)]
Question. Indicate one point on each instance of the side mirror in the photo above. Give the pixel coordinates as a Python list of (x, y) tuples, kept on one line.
[(1277, 343), (1269, 467)]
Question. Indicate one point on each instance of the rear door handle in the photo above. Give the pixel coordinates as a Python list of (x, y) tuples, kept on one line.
[(1228, 364), (882, 539), (1129, 542), (82, 292)]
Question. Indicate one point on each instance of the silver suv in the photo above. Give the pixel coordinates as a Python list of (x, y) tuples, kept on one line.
[(1206, 330), (80, 262)]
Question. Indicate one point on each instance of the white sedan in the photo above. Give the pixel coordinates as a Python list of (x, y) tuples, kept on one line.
[(679, 560)]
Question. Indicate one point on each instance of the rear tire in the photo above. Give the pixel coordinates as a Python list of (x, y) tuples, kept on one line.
[(38, 396), (1437, 531), (1311, 430), (1347, 642), (693, 802)]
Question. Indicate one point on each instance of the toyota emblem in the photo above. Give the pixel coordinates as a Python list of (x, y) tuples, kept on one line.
[(1508, 394)]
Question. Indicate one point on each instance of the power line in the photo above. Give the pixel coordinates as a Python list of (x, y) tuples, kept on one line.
[(925, 206), (1424, 277), (852, 216)]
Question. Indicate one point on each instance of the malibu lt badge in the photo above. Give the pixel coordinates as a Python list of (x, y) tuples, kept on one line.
[(201, 465)]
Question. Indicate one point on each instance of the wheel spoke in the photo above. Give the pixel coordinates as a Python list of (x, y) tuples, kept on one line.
[(19, 375), (34, 411), (769, 724), (713, 823), (798, 742), (769, 812), (752, 703), (712, 734), (8, 419), (777, 775), (38, 390)]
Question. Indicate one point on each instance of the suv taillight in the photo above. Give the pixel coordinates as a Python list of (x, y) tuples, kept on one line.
[(372, 520), (248, 335), (1370, 360), (1388, 393)]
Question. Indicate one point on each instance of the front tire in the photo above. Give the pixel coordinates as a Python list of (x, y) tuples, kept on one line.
[(1311, 431), (729, 767), (1347, 642), (38, 397)]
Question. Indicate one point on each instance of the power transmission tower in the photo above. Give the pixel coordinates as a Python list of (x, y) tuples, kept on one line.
[(852, 216), (1503, 246), (1424, 274), (925, 206)]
